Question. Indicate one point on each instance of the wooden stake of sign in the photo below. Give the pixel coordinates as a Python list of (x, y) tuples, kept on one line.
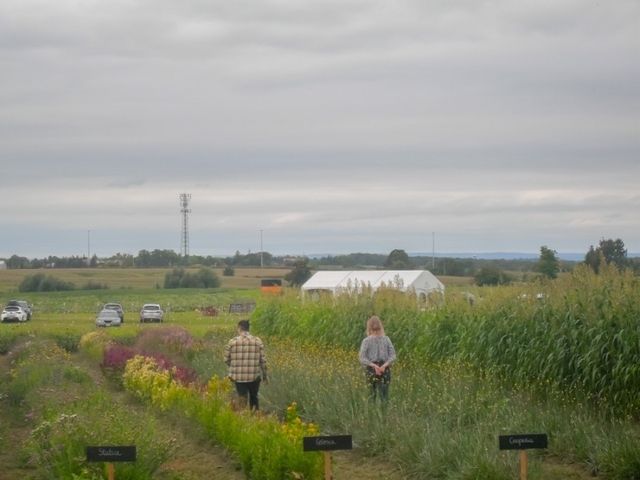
[(327, 444), (522, 443), (328, 471), (110, 454), (524, 464)]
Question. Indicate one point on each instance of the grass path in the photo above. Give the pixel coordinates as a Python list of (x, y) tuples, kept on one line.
[(194, 456)]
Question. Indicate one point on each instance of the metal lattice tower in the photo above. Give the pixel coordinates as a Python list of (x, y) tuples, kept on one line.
[(185, 211)]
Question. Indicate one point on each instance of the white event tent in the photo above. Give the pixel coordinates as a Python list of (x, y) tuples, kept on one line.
[(420, 282)]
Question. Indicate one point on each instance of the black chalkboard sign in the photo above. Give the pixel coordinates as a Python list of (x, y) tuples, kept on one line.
[(242, 307), (523, 442), (326, 443), (111, 454)]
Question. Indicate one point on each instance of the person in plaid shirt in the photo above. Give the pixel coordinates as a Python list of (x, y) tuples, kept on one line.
[(244, 355)]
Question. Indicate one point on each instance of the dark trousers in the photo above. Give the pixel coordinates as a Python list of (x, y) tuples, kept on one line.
[(380, 390), (249, 389), (379, 384)]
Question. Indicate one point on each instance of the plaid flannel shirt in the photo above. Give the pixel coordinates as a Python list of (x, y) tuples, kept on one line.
[(245, 357)]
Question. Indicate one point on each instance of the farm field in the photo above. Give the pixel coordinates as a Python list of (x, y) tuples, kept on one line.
[(454, 389), (134, 278)]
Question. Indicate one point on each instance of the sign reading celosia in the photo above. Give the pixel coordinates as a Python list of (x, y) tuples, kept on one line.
[(327, 443)]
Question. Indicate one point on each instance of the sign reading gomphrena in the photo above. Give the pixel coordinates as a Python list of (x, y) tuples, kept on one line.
[(326, 443), (523, 442), (111, 453)]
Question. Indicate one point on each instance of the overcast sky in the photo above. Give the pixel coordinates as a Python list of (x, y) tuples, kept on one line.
[(330, 126)]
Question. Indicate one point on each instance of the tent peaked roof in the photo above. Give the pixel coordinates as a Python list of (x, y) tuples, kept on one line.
[(420, 281)]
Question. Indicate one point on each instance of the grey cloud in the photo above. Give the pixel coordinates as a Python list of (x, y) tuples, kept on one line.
[(347, 124)]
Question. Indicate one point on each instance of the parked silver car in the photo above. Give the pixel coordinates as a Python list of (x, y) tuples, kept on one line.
[(108, 318), (151, 312), (14, 313), (117, 307), (24, 305)]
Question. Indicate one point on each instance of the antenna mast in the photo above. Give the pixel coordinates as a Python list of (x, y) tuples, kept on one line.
[(185, 210)]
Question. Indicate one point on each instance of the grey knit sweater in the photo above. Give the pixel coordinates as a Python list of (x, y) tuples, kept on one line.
[(377, 347)]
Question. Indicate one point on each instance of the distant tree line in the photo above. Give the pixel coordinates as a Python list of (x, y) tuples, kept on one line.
[(485, 271), (150, 259), (458, 267)]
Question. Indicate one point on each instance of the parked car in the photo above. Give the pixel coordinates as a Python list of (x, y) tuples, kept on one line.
[(14, 313), (108, 318), (151, 312), (24, 305), (117, 307)]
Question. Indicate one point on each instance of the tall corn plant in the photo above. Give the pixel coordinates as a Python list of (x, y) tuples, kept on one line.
[(582, 333)]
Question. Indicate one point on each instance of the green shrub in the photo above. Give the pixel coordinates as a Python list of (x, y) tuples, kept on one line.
[(70, 341), (180, 278), (40, 282), (93, 344), (92, 285)]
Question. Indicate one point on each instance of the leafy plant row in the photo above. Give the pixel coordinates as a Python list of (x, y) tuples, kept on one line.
[(266, 448), (35, 392)]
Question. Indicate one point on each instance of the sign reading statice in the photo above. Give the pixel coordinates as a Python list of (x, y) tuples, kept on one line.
[(111, 454)]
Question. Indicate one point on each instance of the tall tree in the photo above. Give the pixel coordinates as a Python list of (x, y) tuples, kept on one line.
[(398, 260), (608, 251), (491, 275), (548, 263), (300, 273)]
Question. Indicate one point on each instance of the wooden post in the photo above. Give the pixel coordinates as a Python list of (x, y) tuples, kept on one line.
[(523, 465), (327, 444), (327, 466), (111, 471)]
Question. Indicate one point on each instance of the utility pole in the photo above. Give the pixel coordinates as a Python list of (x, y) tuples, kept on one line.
[(261, 258), (433, 251), (88, 248)]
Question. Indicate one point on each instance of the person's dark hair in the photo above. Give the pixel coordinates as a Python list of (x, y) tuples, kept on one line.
[(243, 325)]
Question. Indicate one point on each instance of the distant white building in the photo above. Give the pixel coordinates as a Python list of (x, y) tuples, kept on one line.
[(420, 282), (3, 265)]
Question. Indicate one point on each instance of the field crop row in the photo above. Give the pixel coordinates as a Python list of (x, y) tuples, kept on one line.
[(582, 335)]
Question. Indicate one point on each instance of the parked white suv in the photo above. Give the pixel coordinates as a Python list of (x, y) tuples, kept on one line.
[(22, 304), (14, 313), (151, 312)]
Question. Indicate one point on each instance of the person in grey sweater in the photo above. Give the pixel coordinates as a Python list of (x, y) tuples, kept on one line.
[(376, 356)]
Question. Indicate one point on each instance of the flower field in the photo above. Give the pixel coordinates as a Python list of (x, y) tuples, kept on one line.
[(566, 365)]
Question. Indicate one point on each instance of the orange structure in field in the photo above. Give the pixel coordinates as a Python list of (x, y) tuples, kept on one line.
[(271, 285)]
